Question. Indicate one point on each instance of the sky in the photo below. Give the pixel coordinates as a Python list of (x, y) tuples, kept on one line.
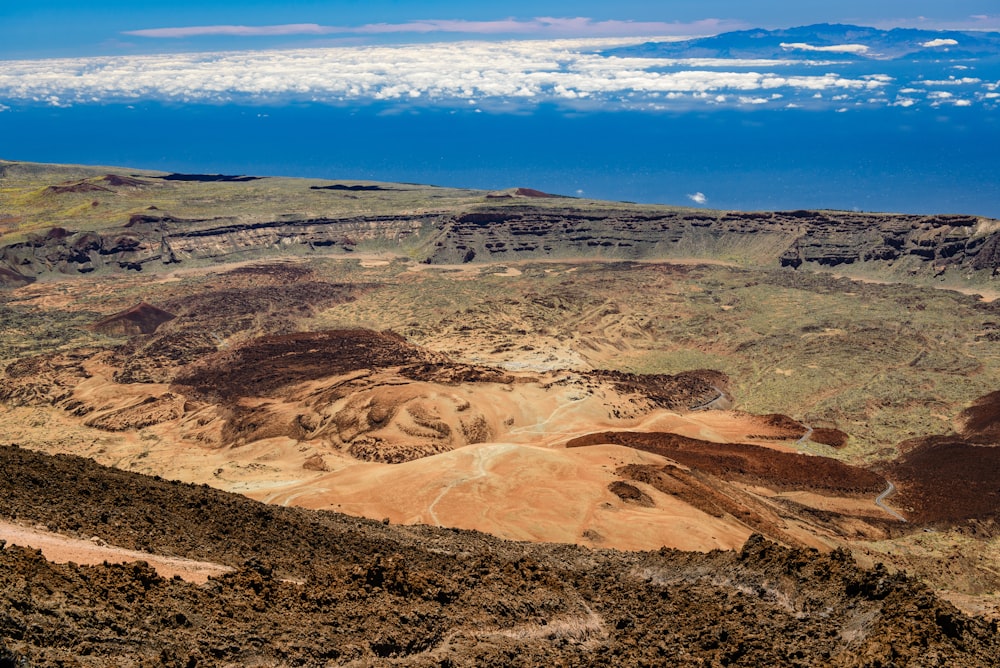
[(59, 53), (64, 28)]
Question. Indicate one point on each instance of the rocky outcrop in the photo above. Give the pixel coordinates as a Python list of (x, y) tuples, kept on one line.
[(60, 251), (788, 238), (142, 318), (13, 279), (909, 244), (149, 239)]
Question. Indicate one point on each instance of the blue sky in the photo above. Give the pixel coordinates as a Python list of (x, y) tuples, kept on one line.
[(59, 28)]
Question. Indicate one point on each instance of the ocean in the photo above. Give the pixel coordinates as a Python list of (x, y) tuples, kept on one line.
[(882, 159)]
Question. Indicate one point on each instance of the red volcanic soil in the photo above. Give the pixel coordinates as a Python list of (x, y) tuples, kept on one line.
[(981, 420), (686, 390), (118, 181), (79, 187), (142, 318), (780, 427), (782, 471), (831, 437), (521, 192), (947, 479), (531, 192), (777, 427), (267, 363)]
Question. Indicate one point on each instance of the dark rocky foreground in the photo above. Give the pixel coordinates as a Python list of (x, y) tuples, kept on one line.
[(317, 589)]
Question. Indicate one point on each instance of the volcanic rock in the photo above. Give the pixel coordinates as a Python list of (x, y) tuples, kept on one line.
[(903, 242), (142, 318), (981, 421), (320, 588), (12, 279)]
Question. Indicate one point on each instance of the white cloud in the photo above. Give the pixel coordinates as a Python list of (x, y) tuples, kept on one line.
[(836, 48), (536, 70), (737, 62), (950, 81), (939, 42), (698, 198)]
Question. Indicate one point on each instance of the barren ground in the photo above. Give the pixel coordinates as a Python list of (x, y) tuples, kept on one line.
[(595, 401)]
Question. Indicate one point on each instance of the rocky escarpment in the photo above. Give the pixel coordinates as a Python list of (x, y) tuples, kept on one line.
[(908, 244), (148, 240), (789, 238)]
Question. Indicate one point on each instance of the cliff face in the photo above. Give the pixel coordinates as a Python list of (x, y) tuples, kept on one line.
[(793, 239), (147, 241), (905, 243)]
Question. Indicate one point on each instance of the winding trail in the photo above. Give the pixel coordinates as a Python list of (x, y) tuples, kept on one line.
[(719, 402), (480, 463), (806, 445), (890, 489), (541, 426)]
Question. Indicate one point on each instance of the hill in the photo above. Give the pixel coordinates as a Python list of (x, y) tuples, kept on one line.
[(823, 41)]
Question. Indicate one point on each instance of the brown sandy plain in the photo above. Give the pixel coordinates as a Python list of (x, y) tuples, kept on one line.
[(470, 435)]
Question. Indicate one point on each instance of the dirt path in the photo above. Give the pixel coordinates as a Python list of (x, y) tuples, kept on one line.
[(480, 459), (890, 489), (62, 549)]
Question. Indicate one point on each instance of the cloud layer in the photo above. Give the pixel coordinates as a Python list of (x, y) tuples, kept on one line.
[(836, 48), (494, 75), (540, 70)]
